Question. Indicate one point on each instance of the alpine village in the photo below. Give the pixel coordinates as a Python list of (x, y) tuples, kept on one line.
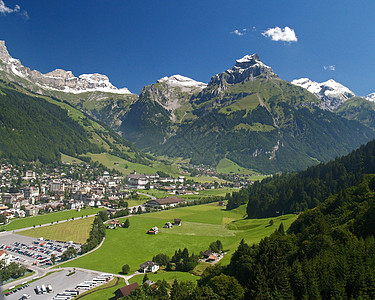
[(246, 187)]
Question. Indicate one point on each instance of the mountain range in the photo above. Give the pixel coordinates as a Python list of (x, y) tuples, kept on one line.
[(246, 114)]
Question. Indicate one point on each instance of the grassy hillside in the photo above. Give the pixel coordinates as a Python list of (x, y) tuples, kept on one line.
[(227, 166), (360, 109)]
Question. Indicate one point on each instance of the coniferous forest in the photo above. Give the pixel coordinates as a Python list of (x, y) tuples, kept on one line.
[(296, 192), (327, 253), (33, 129)]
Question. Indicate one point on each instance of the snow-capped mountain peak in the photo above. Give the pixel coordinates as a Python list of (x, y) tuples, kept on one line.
[(182, 81), (58, 80), (370, 97), (332, 93)]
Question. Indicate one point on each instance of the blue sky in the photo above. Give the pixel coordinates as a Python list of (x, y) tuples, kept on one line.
[(137, 42)]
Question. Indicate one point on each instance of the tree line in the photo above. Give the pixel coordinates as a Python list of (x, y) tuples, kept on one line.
[(294, 193)]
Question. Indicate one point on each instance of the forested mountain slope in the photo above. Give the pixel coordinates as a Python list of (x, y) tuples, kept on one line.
[(35, 127), (296, 192), (328, 253)]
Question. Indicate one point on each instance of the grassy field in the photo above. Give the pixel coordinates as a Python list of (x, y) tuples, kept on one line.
[(126, 167), (48, 218), (227, 166), (69, 159), (167, 276), (205, 179), (137, 202), (155, 193), (76, 231), (201, 225)]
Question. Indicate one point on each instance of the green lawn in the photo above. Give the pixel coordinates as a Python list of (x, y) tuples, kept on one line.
[(48, 218), (227, 166), (201, 225), (126, 167), (69, 159), (167, 276), (76, 231), (155, 193), (136, 202), (122, 165)]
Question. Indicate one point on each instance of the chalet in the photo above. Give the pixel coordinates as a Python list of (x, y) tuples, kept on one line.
[(126, 290), (207, 253), (177, 222), (210, 255), (148, 266), (112, 224), (168, 225), (165, 202), (137, 181), (153, 230)]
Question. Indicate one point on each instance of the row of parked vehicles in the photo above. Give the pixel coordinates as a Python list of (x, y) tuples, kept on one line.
[(67, 295), (13, 290), (40, 250), (87, 285), (43, 289)]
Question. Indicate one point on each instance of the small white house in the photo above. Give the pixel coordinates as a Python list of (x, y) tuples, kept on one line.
[(148, 266)]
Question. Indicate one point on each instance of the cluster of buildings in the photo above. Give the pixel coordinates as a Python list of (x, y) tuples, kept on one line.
[(143, 181), (28, 193), (174, 185)]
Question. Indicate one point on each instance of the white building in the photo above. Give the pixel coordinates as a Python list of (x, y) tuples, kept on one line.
[(137, 181)]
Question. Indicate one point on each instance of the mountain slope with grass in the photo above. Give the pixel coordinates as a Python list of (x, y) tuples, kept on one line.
[(36, 127), (259, 121)]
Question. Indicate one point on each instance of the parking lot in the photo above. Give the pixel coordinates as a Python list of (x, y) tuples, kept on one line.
[(59, 281), (32, 251)]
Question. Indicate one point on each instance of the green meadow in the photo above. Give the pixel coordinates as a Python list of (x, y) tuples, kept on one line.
[(48, 218), (167, 276), (126, 167), (201, 225), (76, 231)]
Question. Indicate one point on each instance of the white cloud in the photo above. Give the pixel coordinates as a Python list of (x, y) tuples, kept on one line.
[(285, 34), (7, 10), (330, 68), (239, 32)]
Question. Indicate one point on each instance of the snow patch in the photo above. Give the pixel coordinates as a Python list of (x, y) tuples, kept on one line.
[(370, 97), (179, 80), (332, 93)]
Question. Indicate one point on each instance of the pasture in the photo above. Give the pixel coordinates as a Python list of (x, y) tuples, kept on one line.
[(201, 225), (76, 231), (48, 218)]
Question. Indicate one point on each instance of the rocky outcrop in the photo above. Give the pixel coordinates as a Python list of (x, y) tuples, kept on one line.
[(57, 80), (332, 93), (246, 68)]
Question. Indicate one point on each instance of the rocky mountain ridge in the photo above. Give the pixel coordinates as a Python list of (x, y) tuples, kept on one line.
[(332, 93), (57, 80)]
